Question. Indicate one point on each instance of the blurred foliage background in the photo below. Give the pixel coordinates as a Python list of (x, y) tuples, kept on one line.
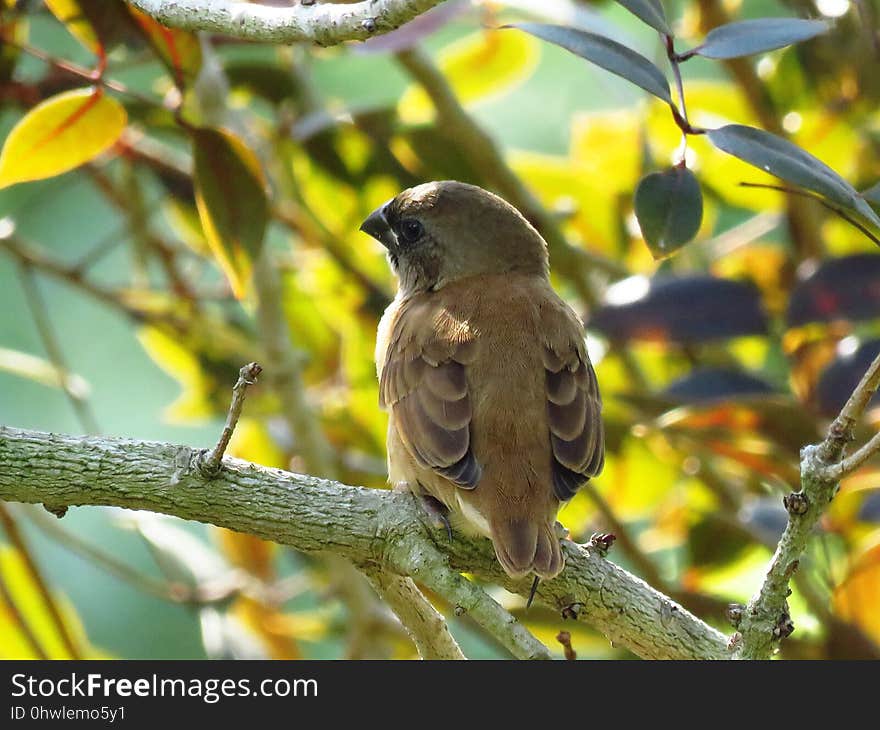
[(121, 313)]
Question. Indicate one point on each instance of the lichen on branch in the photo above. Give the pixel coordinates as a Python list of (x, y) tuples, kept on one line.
[(326, 24)]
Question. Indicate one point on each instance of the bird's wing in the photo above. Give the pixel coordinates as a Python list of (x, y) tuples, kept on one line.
[(423, 382), (574, 409)]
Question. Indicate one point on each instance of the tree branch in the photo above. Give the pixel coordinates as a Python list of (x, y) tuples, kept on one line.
[(766, 619), (367, 525), (424, 624), (326, 24)]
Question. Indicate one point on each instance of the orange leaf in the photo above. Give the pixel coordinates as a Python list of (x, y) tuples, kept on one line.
[(857, 598), (248, 552), (59, 134), (180, 51)]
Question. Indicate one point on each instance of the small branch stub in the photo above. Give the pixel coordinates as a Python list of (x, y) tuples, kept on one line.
[(59, 510), (784, 627), (209, 463), (735, 614), (602, 542), (796, 503)]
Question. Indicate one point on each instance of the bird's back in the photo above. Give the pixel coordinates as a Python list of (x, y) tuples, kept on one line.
[(506, 322)]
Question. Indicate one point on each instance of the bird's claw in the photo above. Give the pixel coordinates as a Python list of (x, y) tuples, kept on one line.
[(437, 513)]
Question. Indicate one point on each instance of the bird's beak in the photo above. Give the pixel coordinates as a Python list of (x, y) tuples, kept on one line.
[(376, 225)]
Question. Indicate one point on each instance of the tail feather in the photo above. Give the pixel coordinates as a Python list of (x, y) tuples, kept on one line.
[(524, 547)]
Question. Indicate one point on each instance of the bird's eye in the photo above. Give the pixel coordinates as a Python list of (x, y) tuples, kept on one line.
[(410, 230)]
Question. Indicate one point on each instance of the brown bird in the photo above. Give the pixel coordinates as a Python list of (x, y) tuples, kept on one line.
[(494, 405)]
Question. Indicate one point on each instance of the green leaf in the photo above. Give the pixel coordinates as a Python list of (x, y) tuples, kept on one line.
[(747, 37), (650, 12), (231, 200), (789, 162), (100, 25), (669, 208), (605, 53)]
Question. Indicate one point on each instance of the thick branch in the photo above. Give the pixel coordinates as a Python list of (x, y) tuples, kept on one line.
[(366, 525), (326, 24)]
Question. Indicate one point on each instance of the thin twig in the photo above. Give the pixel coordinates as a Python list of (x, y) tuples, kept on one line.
[(841, 430), (43, 322), (847, 466), (29, 254), (131, 204), (93, 76), (210, 461), (53, 529), (766, 619)]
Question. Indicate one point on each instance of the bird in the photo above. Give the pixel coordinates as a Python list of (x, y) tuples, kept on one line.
[(495, 415)]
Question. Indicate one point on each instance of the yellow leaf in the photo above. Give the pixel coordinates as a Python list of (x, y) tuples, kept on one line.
[(478, 66), (70, 13), (248, 552), (35, 614), (181, 364), (59, 134)]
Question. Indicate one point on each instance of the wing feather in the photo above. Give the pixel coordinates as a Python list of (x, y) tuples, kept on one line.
[(574, 412), (424, 383)]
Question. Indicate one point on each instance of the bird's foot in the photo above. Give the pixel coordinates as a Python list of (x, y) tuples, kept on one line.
[(437, 513)]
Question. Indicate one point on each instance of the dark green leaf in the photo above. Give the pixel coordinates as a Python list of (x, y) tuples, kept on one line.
[(872, 194), (271, 82), (746, 37), (231, 199), (789, 162), (839, 290), (605, 53), (669, 207), (687, 310), (650, 12), (842, 377)]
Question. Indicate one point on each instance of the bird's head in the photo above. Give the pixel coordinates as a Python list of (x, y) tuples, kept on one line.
[(441, 232)]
